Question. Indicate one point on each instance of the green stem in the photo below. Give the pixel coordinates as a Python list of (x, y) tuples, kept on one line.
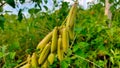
[(88, 61)]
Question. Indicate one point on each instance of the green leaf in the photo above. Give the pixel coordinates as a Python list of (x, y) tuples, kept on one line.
[(54, 1), (111, 1), (14, 46), (80, 53), (11, 3), (12, 55), (4, 48), (46, 1), (33, 10), (102, 1), (63, 64), (46, 8), (20, 17), (83, 44), (1, 9), (2, 20), (64, 5), (101, 63), (37, 1), (101, 47), (1, 54), (69, 52), (112, 60), (78, 30), (75, 47), (22, 1)]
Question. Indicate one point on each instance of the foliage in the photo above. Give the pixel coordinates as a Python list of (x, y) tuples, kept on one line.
[(2, 20), (95, 45)]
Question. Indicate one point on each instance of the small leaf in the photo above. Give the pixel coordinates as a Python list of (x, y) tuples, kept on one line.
[(78, 30), (101, 47), (2, 20), (112, 60), (111, 1), (46, 8), (46, 1), (1, 54), (101, 63), (11, 3), (54, 1), (20, 17), (1, 9), (64, 5), (33, 10), (75, 47), (12, 55), (22, 1), (69, 52), (4, 48), (14, 46), (63, 64), (80, 53), (83, 44)]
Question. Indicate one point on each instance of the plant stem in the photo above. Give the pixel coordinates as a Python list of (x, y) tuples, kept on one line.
[(21, 64), (88, 61)]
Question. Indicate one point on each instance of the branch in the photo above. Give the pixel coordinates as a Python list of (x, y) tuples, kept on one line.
[(1, 4)]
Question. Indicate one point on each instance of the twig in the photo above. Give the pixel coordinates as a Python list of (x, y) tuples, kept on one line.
[(64, 21), (21, 64), (73, 41), (2, 4), (25, 18), (89, 61)]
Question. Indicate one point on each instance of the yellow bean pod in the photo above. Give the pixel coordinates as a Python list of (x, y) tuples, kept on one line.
[(51, 58), (54, 40), (34, 60), (44, 54), (42, 44), (65, 39), (59, 49)]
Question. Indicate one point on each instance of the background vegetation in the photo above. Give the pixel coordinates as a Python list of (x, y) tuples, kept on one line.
[(96, 44)]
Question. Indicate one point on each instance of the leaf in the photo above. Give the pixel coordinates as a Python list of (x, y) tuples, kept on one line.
[(12, 55), (33, 10), (20, 17), (83, 44), (4, 48), (22, 1), (63, 64), (102, 1), (14, 46), (80, 53), (84, 31), (54, 1), (64, 4), (101, 47), (101, 63), (78, 30), (46, 8), (112, 60), (111, 1), (46, 1), (11, 3), (75, 47), (2, 20), (1, 9), (69, 52), (1, 54)]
